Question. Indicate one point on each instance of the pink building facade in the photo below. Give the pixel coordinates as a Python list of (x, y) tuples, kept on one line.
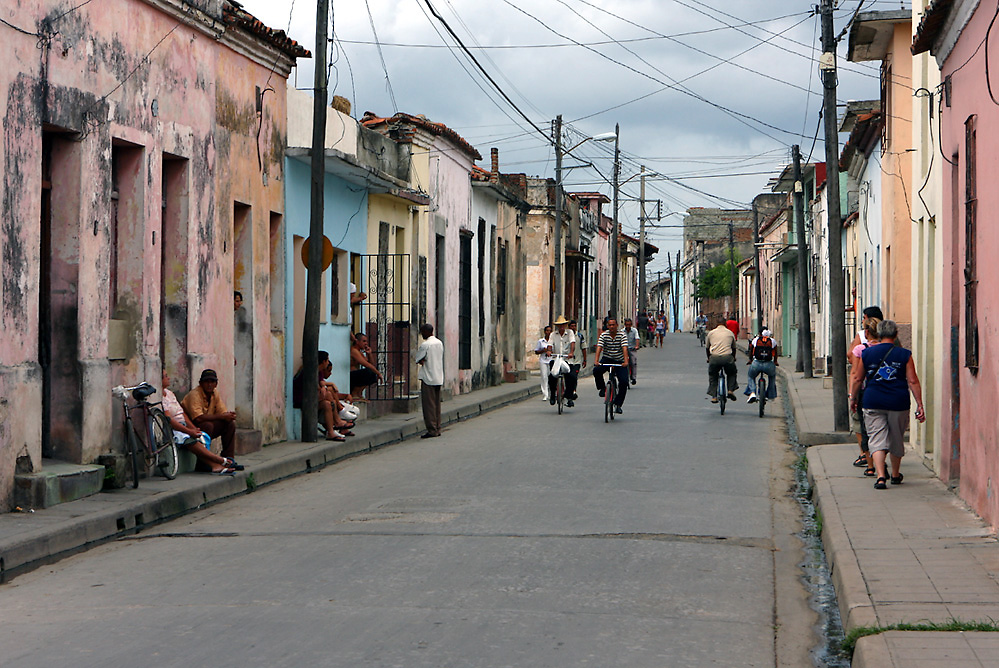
[(141, 186), (953, 31)]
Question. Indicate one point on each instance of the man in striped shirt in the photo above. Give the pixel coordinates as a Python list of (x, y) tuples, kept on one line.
[(612, 348)]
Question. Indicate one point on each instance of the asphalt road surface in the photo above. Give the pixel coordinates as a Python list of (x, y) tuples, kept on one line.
[(520, 538)]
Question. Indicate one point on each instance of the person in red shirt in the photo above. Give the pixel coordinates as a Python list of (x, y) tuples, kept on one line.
[(733, 326)]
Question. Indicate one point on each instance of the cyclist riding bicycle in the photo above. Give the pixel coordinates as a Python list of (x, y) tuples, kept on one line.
[(612, 348), (720, 350), (701, 324), (763, 359), (562, 342)]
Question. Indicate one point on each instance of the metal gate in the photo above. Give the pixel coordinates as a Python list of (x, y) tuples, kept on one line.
[(384, 317)]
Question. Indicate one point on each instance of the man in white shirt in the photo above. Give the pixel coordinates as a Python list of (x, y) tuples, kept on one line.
[(544, 360), (580, 348), (634, 343), (562, 342), (430, 357)]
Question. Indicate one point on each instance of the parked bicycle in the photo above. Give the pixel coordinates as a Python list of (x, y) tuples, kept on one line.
[(152, 429)]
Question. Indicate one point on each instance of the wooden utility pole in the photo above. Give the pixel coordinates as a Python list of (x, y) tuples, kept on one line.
[(310, 333), (614, 233), (675, 290), (804, 361), (733, 279), (643, 297), (558, 296), (837, 286), (756, 264)]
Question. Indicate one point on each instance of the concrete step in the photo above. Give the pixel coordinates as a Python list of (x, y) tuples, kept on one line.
[(248, 441), (57, 482)]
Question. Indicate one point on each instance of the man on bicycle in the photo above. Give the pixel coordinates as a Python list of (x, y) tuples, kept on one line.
[(580, 348), (634, 343), (562, 342), (720, 349), (612, 348), (762, 359), (701, 324)]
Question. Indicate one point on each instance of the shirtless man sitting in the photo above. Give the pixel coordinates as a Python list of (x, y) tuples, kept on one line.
[(363, 371)]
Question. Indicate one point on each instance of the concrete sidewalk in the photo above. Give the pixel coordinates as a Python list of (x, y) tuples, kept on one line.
[(913, 553), (28, 540)]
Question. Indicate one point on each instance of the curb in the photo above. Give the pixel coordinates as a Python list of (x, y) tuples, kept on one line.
[(53, 542), (808, 438)]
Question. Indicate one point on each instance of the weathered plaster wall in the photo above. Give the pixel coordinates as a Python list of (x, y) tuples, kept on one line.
[(970, 430), (104, 97), (927, 243)]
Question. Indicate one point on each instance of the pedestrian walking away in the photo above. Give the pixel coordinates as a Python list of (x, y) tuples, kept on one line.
[(430, 357), (890, 375), (866, 336), (634, 343)]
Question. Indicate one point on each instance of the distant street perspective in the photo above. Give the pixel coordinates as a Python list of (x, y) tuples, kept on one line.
[(520, 538)]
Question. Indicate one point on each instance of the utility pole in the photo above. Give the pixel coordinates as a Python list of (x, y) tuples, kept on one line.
[(804, 361), (675, 289), (731, 260), (310, 332), (643, 298), (559, 299), (837, 287), (756, 263), (659, 287), (614, 242)]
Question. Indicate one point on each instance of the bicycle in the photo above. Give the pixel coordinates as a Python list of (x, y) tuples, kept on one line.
[(722, 390), (761, 391), (610, 392), (701, 335), (159, 449), (560, 385)]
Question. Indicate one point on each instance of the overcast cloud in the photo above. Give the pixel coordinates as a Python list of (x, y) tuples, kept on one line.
[(755, 58)]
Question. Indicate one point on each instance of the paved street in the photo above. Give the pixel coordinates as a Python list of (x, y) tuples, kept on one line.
[(520, 538)]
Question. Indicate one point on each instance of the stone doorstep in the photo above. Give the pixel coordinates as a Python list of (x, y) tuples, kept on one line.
[(248, 440), (57, 482)]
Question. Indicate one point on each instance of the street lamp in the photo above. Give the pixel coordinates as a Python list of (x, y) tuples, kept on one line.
[(559, 151)]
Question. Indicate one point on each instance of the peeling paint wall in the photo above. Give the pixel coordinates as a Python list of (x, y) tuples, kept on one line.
[(146, 147)]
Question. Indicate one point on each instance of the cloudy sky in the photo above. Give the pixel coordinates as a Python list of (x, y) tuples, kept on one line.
[(710, 95)]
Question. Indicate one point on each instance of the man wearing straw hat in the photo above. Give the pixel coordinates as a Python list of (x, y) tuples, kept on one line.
[(562, 342)]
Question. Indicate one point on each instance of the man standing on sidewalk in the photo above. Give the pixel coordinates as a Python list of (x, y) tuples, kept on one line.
[(430, 357)]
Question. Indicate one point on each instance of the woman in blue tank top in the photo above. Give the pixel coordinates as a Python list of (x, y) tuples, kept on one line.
[(890, 375)]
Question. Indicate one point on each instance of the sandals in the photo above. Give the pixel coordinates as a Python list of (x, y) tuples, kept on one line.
[(898, 480), (231, 463), (861, 460), (870, 472), (225, 471), (881, 483), (336, 436)]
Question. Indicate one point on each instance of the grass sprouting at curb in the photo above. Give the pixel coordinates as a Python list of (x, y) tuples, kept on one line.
[(850, 641)]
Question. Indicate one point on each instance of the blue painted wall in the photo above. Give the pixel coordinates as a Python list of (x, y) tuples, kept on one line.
[(345, 225)]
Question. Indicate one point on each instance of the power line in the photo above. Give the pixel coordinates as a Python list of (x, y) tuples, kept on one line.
[(381, 56)]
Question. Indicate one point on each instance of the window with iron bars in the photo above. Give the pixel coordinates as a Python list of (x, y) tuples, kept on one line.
[(970, 245), (465, 302)]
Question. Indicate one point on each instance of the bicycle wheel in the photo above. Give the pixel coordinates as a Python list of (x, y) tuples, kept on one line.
[(132, 451), (761, 388), (164, 449), (613, 396), (722, 391), (560, 393), (608, 401)]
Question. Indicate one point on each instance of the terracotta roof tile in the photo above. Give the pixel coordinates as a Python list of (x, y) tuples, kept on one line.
[(930, 25), (234, 14), (370, 120)]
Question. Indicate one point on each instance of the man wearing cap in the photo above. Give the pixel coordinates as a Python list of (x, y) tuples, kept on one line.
[(562, 342), (209, 413), (763, 359)]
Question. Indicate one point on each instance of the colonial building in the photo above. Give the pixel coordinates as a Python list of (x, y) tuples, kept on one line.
[(143, 185)]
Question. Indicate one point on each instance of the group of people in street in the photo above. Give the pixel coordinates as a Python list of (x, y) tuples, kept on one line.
[(652, 327), (882, 377)]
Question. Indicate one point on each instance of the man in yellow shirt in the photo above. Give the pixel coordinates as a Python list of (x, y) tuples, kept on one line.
[(209, 413)]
